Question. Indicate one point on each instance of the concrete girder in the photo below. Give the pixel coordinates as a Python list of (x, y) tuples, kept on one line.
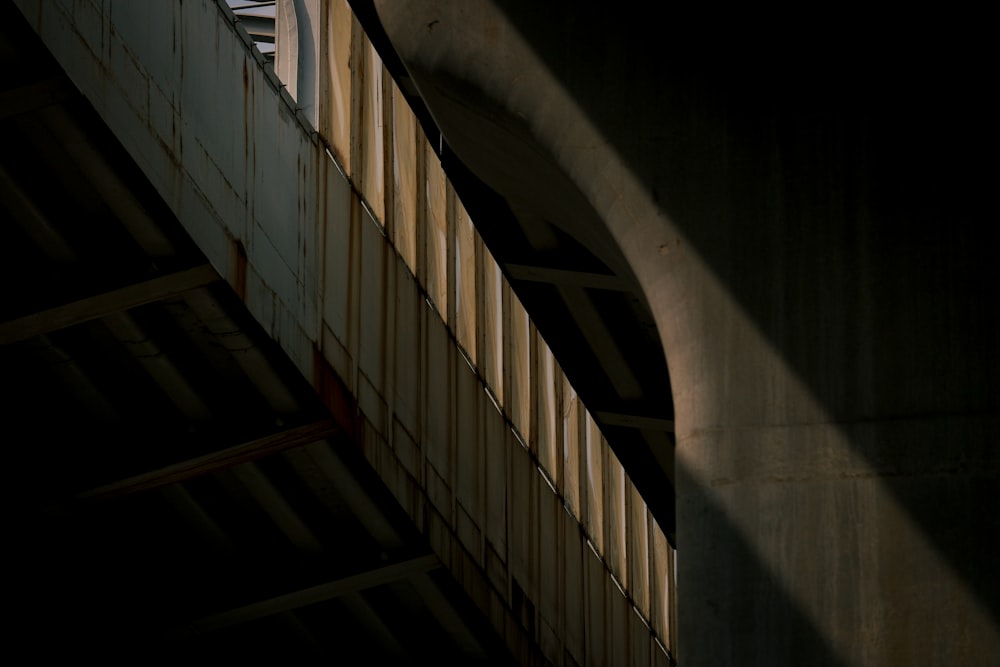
[(786, 233)]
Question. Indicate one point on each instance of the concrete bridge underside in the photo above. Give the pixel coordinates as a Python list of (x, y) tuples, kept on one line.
[(803, 240), (259, 425), (806, 213)]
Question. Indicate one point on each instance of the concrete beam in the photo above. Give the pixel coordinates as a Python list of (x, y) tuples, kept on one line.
[(605, 346), (217, 461), (634, 421), (330, 590), (96, 307), (566, 278)]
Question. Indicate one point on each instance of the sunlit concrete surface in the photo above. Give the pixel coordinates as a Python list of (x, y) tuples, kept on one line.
[(317, 197), (809, 232)]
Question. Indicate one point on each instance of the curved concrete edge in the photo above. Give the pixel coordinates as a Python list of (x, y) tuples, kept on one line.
[(798, 304)]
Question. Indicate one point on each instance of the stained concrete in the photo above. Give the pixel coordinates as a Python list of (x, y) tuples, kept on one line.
[(807, 218)]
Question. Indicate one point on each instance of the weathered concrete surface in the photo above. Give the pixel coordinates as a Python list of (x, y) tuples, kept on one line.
[(812, 236), (262, 195)]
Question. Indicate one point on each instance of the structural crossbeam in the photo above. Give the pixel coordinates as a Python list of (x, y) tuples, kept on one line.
[(101, 305), (217, 461), (314, 594)]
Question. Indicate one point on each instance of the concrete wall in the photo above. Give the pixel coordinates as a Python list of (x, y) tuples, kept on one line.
[(353, 252), (812, 236)]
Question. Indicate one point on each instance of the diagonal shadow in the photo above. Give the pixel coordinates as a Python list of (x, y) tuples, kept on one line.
[(748, 640), (835, 188)]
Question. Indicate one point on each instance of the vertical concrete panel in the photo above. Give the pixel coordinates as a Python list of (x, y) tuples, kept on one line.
[(132, 42), (596, 608), (309, 270), (547, 442), (54, 23), (550, 557), (335, 120), (671, 638), (465, 282), (638, 549), (592, 490), (450, 214), (469, 477), (549, 641), (435, 232), (404, 179), (517, 356), (574, 590), (350, 342), (336, 254), (164, 121), (406, 335), (303, 235), (89, 21), (255, 95), (372, 302), (497, 438), (372, 131), (235, 149), (372, 294), (641, 641), (523, 521), (491, 327), (617, 630), (571, 421), (204, 228), (199, 33), (660, 656), (270, 266), (614, 514), (276, 177), (212, 93), (660, 577), (437, 375), (293, 339)]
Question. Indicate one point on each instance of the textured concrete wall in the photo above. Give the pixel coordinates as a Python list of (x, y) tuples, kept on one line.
[(357, 271), (811, 236)]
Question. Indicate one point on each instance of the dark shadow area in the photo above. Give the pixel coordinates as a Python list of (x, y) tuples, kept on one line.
[(624, 314), (852, 159), (750, 620), (122, 576), (832, 176)]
